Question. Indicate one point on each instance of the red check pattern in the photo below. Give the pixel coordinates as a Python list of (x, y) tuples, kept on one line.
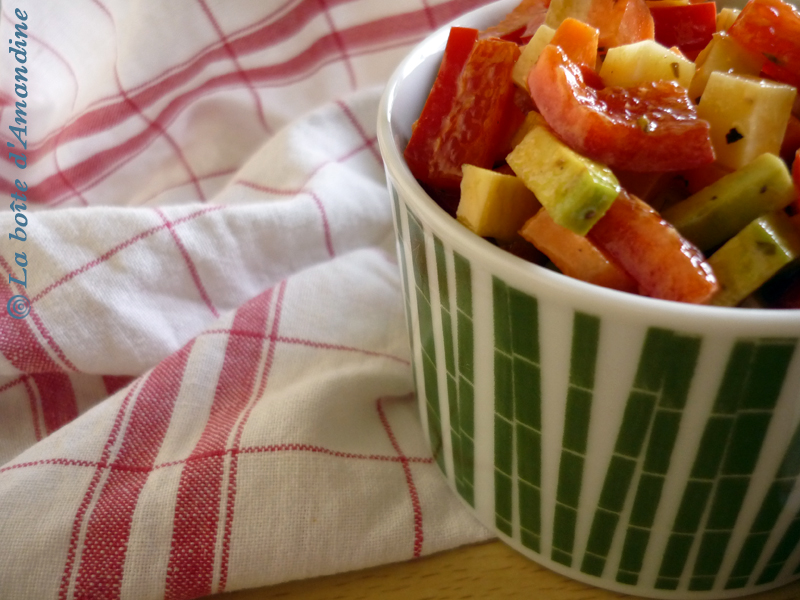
[(212, 390)]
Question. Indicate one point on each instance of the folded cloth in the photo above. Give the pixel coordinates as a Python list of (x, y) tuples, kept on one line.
[(205, 381)]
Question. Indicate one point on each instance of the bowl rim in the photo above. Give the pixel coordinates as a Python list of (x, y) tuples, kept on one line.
[(517, 270)]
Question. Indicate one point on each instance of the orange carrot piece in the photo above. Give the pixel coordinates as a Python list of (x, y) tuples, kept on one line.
[(575, 255), (578, 41)]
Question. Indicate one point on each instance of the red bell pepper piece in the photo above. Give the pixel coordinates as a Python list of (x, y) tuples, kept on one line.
[(770, 70), (771, 28), (648, 128), (688, 27), (425, 132), (475, 129), (661, 261)]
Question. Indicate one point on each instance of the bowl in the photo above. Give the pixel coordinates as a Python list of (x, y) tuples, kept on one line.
[(639, 445)]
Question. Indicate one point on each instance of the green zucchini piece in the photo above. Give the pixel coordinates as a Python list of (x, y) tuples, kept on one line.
[(717, 212), (575, 190), (753, 256)]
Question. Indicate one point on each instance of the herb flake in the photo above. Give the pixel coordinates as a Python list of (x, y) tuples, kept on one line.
[(733, 136)]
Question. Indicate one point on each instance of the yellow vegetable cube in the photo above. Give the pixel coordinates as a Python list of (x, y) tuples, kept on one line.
[(726, 55), (493, 204), (530, 54), (634, 64), (726, 17), (748, 116), (532, 119)]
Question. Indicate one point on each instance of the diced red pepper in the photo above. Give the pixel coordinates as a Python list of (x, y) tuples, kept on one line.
[(661, 261), (649, 128), (424, 136), (771, 28), (688, 27), (475, 129), (770, 70)]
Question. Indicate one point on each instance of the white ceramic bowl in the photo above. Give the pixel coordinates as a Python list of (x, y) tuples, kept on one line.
[(640, 445)]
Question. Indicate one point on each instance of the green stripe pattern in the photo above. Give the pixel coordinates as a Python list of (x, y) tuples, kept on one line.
[(449, 355), (631, 492), (772, 360), (457, 343), (464, 388), (403, 272), (585, 337), (645, 442), (768, 514), (726, 458), (518, 413), (425, 319)]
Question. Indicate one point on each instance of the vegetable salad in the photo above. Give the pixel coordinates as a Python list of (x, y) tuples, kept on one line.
[(649, 146)]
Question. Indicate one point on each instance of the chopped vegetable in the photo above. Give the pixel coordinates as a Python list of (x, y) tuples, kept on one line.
[(661, 261), (688, 27), (753, 256), (493, 204), (644, 62), (770, 28), (653, 127), (619, 21), (530, 54), (575, 255), (718, 211), (425, 137), (726, 55), (475, 129), (578, 41), (576, 190), (726, 17), (748, 116)]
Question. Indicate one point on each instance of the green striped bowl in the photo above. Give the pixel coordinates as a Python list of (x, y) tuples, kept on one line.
[(643, 446)]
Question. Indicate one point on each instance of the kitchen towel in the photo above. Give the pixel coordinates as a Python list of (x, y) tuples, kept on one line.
[(204, 373)]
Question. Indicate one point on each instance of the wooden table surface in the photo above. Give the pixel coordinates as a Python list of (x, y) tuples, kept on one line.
[(486, 571)]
